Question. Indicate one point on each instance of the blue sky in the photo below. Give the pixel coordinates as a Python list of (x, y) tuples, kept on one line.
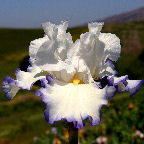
[(31, 13)]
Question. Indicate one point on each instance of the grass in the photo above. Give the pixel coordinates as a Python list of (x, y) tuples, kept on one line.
[(22, 119)]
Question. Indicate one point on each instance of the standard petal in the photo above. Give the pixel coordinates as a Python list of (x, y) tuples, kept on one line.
[(9, 87), (50, 30), (51, 50), (83, 51), (94, 51), (63, 71), (112, 48), (95, 27), (108, 69), (34, 47), (73, 103), (50, 53)]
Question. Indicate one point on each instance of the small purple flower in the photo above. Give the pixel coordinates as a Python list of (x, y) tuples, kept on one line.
[(54, 130), (35, 139)]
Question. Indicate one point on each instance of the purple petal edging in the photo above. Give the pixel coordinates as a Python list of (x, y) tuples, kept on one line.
[(133, 89), (92, 122), (16, 73), (110, 93), (110, 80), (77, 124), (113, 82), (121, 79), (112, 66), (6, 86), (50, 78), (44, 82)]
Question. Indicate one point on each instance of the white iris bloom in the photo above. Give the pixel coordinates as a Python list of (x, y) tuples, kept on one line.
[(67, 71)]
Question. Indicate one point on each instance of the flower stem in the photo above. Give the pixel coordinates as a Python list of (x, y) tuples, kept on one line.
[(73, 133)]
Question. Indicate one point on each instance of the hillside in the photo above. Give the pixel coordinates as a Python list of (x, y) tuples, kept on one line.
[(135, 15)]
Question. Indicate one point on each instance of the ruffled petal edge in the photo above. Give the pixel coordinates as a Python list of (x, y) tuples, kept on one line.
[(109, 92), (124, 84), (9, 87)]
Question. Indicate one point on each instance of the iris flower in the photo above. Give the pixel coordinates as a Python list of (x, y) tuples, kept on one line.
[(69, 73)]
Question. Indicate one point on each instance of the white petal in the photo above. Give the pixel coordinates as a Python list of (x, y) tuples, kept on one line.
[(34, 47), (73, 102), (94, 51), (82, 72), (107, 69), (112, 48), (50, 30), (25, 80), (50, 53), (95, 27), (53, 47), (63, 75), (63, 71), (84, 50), (86, 55)]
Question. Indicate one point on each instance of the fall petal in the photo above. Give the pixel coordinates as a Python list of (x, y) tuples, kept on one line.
[(25, 80), (134, 85), (110, 91), (112, 80), (9, 87), (73, 102), (124, 84)]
